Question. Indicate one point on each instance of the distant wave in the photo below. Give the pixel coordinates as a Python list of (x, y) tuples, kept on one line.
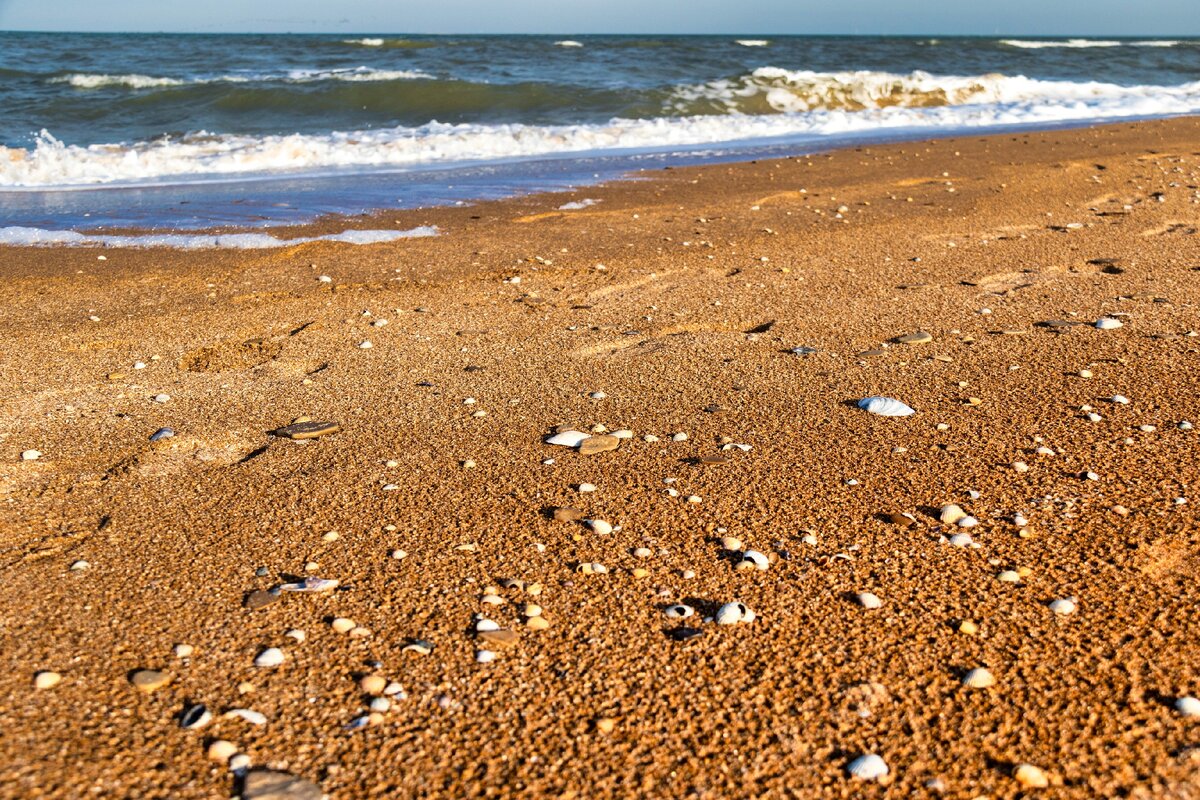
[(1038, 45), (364, 42), (40, 237), (99, 81), (768, 103), (568, 43), (752, 42)]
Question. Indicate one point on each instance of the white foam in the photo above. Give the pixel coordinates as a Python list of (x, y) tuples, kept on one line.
[(587, 202), (568, 43), (98, 81), (364, 42), (1157, 43), (41, 237), (752, 42), (769, 103), (1036, 45)]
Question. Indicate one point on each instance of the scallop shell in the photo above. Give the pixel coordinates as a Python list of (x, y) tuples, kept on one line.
[(885, 407), (868, 767), (731, 614), (679, 611), (567, 438), (951, 514), (979, 678)]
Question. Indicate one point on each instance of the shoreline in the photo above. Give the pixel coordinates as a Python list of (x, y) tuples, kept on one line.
[(673, 306)]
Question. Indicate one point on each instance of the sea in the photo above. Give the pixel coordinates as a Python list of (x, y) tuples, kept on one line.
[(175, 135)]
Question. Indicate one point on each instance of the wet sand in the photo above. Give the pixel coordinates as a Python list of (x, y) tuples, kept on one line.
[(680, 299)]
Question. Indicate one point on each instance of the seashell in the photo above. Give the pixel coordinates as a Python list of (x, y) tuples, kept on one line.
[(885, 407), (373, 684), (271, 657), (46, 679), (624, 433), (246, 715), (868, 767), (804, 351), (419, 646), (297, 634), (311, 585), (1185, 426), (599, 526), (358, 723), (731, 614), (395, 690), (979, 678), (1031, 777), (869, 601), (679, 611), (591, 568), (567, 439), (239, 763), (1063, 606), (951, 514), (731, 543), (1188, 706), (538, 623), (162, 433), (194, 717), (486, 625), (492, 600), (962, 540), (485, 656), (1009, 576), (221, 751), (342, 625), (755, 559), (1108, 323), (1020, 520), (531, 610), (379, 704), (967, 522), (642, 552), (1119, 399)]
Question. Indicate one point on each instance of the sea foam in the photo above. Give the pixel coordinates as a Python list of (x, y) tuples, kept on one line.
[(41, 237)]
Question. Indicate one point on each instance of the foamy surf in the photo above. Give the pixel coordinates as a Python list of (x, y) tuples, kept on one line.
[(752, 42), (40, 237), (1029, 44), (134, 81), (568, 43)]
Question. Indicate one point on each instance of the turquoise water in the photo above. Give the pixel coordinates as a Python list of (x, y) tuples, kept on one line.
[(188, 131)]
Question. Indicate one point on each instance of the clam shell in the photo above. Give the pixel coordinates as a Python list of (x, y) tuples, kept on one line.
[(757, 559), (1108, 323), (731, 614), (868, 767), (979, 678), (599, 526), (1063, 606), (885, 407), (679, 611), (194, 717), (567, 438), (1188, 706), (271, 657), (869, 601), (951, 514)]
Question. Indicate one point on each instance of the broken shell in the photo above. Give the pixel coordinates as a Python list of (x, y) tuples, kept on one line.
[(755, 559), (486, 625), (271, 657), (962, 540), (591, 568), (979, 678), (221, 751), (538, 623), (1108, 323), (1009, 576), (885, 407), (679, 611), (567, 438), (868, 767), (194, 717), (869, 601), (310, 585), (342, 625), (1063, 606), (420, 646), (951, 514), (246, 715), (732, 613)]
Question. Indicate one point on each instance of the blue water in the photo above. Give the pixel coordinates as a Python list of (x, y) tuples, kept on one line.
[(191, 131)]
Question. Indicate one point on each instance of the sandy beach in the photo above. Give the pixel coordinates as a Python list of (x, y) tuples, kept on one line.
[(142, 573)]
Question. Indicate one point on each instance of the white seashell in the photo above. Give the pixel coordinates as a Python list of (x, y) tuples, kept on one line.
[(597, 395), (623, 433), (885, 407), (967, 522), (587, 487), (271, 657), (1008, 576), (642, 552), (599, 526), (567, 438), (1119, 399), (195, 717), (492, 600), (486, 625), (757, 559), (679, 611), (731, 543), (809, 539), (869, 767), (1108, 323), (365, 345), (1185, 426), (297, 634), (311, 585), (1044, 451), (869, 601), (485, 656), (358, 723), (379, 704), (1031, 777), (31, 455), (1020, 520), (239, 763), (731, 614), (1188, 706), (951, 514), (1063, 606), (749, 616), (246, 715), (979, 678), (962, 540), (395, 690)]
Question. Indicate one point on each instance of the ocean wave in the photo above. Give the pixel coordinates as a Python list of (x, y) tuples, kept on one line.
[(771, 103), (364, 42), (1039, 45), (752, 42), (771, 89), (568, 43), (98, 81), (41, 237)]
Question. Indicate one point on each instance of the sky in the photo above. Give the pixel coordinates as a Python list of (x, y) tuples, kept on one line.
[(772, 17)]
